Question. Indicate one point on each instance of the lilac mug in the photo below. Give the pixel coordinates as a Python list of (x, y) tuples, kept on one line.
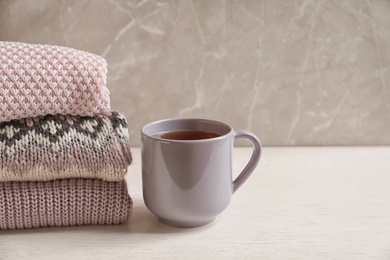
[(188, 183)]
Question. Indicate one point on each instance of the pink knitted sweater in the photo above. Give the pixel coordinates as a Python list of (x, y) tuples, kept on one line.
[(37, 79), (66, 202)]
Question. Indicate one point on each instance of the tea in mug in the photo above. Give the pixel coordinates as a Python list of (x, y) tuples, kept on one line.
[(187, 135)]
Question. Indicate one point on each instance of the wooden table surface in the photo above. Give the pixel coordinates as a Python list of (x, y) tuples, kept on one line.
[(300, 203)]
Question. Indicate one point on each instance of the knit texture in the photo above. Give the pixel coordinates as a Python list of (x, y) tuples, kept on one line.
[(38, 79), (67, 202), (57, 147)]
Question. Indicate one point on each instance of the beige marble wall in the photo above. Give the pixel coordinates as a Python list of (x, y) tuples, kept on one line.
[(296, 72)]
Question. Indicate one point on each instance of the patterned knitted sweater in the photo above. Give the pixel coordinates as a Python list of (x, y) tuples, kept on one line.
[(38, 79), (58, 147), (66, 202)]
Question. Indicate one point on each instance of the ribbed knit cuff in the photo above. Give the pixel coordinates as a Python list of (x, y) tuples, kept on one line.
[(66, 202)]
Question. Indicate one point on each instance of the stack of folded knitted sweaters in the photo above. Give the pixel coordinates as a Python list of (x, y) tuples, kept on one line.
[(63, 152)]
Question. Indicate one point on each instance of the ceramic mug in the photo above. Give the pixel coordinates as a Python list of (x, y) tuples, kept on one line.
[(188, 183)]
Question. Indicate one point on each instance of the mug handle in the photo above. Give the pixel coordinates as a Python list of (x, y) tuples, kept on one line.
[(253, 161)]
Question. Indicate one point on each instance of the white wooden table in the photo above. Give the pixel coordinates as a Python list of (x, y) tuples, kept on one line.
[(301, 203)]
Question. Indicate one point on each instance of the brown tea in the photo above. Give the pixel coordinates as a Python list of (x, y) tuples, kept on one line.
[(187, 135)]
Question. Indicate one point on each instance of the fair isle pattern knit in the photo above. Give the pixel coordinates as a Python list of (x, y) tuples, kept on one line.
[(68, 202), (38, 79), (57, 147)]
